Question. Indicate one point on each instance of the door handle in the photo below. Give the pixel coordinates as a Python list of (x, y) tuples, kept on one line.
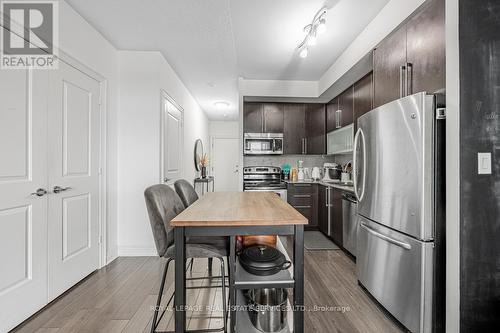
[(40, 192), (409, 79), (402, 70), (356, 170), (404, 245), (58, 189), (338, 115)]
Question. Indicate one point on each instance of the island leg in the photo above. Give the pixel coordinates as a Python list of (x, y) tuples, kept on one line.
[(232, 290), (180, 280), (298, 274)]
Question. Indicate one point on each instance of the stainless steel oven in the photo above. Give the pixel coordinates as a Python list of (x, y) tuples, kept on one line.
[(264, 179), (263, 143)]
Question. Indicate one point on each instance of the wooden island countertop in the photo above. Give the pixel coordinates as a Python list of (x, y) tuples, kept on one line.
[(239, 209)]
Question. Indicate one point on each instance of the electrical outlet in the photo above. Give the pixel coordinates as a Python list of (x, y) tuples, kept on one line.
[(484, 163)]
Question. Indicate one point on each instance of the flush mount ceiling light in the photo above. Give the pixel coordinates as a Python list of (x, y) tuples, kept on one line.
[(222, 106), (317, 26)]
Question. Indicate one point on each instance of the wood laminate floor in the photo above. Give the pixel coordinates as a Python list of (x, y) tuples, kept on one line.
[(120, 297)]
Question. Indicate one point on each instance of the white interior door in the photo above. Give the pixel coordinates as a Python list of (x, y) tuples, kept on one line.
[(73, 177), (225, 163), (23, 217), (172, 134)]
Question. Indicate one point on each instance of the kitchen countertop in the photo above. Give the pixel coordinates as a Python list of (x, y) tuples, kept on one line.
[(345, 188)]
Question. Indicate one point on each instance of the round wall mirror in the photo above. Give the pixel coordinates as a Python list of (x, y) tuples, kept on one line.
[(198, 153)]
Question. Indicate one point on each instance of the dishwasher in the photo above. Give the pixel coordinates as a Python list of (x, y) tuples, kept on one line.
[(350, 223)]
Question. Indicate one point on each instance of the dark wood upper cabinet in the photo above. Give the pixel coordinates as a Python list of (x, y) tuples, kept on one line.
[(426, 49), (363, 97), (345, 112), (315, 129), (331, 115), (389, 59), (273, 118), (303, 125), (263, 117), (412, 58), (294, 131), (252, 117)]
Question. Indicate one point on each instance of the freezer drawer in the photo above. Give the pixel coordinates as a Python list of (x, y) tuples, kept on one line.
[(397, 271)]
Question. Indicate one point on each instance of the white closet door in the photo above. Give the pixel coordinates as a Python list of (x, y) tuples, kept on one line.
[(23, 217), (73, 210), (172, 133)]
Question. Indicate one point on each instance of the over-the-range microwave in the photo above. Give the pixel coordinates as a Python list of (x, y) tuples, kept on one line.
[(263, 144)]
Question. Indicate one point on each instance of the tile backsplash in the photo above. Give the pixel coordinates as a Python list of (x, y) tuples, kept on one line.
[(309, 160)]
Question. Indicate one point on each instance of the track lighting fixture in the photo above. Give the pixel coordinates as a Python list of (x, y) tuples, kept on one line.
[(317, 26)]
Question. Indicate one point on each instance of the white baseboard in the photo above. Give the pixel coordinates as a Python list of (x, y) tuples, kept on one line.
[(136, 251)]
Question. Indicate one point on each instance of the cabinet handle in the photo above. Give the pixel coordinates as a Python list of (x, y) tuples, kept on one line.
[(409, 79), (303, 146), (402, 70), (301, 195), (326, 196), (329, 193), (263, 120)]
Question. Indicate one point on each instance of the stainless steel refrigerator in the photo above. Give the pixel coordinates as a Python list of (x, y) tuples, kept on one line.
[(399, 183)]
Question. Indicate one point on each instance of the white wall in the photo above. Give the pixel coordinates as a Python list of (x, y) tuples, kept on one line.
[(278, 88), (224, 128), (83, 43), (142, 76)]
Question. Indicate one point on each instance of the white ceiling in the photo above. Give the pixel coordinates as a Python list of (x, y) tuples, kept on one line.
[(210, 43)]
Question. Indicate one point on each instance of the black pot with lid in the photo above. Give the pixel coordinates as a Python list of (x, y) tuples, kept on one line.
[(263, 260)]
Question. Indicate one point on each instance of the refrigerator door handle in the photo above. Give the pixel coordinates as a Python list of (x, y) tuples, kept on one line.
[(359, 134), (404, 245)]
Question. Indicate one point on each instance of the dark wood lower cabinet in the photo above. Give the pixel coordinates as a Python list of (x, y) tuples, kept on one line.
[(304, 198), (336, 223), (330, 213), (323, 220)]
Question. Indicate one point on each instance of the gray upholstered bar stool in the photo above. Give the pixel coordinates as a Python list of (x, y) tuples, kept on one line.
[(163, 205), (188, 195)]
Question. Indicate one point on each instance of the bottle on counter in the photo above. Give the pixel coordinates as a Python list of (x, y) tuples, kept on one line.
[(300, 173)]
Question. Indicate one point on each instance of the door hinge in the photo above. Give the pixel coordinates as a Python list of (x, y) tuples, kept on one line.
[(440, 113), (100, 239), (100, 171)]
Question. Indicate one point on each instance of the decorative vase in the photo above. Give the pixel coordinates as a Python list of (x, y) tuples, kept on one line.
[(203, 172)]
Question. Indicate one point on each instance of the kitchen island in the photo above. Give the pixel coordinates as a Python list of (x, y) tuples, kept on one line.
[(233, 214)]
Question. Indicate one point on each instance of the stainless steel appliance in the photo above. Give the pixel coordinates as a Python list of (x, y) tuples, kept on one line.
[(262, 178), (398, 180), (350, 223), (263, 143)]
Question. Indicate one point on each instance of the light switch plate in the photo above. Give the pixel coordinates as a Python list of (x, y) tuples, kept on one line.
[(484, 163)]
